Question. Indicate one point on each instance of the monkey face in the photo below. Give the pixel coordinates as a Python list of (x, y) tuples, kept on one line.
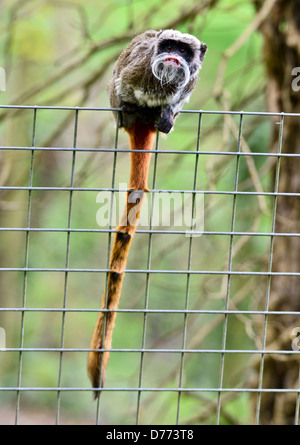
[(175, 51), (177, 58), (171, 64)]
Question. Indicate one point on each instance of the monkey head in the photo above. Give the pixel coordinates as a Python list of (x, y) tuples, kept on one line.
[(154, 76), (177, 57)]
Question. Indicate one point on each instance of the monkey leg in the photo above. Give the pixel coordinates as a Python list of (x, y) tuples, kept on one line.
[(129, 114), (149, 115), (146, 115)]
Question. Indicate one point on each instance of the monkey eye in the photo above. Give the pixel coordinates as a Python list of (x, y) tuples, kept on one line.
[(169, 47), (182, 51)]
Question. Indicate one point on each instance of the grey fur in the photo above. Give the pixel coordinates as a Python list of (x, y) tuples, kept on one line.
[(153, 93)]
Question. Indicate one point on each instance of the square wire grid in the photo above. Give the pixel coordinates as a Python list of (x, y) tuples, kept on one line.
[(220, 390)]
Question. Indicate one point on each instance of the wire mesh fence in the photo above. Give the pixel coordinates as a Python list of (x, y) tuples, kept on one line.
[(191, 337)]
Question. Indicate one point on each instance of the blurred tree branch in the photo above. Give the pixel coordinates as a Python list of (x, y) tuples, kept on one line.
[(281, 33), (83, 66)]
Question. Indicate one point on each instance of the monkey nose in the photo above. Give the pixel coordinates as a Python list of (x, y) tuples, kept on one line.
[(171, 60)]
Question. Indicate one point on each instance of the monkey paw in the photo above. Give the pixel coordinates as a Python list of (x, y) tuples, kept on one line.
[(165, 125)]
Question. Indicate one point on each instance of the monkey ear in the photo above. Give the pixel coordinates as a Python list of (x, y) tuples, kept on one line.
[(203, 49)]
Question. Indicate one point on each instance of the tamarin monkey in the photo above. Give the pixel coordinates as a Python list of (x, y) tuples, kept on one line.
[(152, 79)]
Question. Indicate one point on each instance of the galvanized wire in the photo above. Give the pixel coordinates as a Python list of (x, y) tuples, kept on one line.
[(138, 409), (64, 304), (269, 269), (180, 383), (26, 265), (236, 181), (228, 273), (98, 413)]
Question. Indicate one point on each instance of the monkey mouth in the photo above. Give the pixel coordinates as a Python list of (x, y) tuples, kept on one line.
[(173, 61), (171, 69)]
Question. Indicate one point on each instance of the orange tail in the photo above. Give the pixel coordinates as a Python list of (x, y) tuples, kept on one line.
[(141, 138)]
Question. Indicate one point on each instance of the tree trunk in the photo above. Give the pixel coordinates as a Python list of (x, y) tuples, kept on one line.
[(281, 33)]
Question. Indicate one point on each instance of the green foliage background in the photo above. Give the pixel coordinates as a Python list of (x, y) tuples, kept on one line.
[(62, 53)]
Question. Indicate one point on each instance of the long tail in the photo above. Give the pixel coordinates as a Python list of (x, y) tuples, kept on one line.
[(141, 138)]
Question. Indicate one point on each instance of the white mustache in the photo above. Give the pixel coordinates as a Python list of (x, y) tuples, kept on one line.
[(169, 73)]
